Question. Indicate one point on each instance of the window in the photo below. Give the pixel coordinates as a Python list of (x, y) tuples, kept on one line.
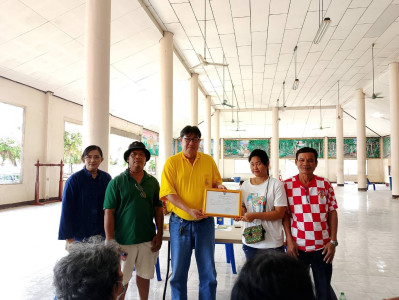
[(241, 166), (350, 167), (290, 168), (11, 132), (117, 146), (72, 148)]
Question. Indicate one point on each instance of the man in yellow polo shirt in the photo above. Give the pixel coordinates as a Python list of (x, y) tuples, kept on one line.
[(184, 179)]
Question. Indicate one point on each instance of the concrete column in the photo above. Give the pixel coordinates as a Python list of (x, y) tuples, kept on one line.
[(48, 172), (194, 100), (361, 140), (221, 165), (97, 53), (394, 117), (176, 145), (207, 123), (274, 149), (340, 146), (166, 76), (325, 150), (216, 136)]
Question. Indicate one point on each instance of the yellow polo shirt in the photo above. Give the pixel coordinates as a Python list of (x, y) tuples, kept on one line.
[(188, 181)]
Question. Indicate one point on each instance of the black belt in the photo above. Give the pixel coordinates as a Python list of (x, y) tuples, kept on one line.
[(196, 221)]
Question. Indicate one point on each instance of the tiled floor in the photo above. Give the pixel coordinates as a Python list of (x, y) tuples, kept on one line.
[(366, 265)]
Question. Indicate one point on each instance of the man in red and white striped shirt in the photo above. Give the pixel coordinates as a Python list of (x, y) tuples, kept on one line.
[(311, 221)]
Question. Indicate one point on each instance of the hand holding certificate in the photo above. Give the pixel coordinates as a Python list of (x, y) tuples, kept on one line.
[(222, 203)]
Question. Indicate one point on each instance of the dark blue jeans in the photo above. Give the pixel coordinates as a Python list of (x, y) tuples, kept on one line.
[(322, 273), (199, 236), (251, 252)]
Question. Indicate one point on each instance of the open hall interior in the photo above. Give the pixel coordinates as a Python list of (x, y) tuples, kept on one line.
[(366, 265), (248, 73)]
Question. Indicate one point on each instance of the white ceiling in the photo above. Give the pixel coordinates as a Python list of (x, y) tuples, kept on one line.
[(42, 45)]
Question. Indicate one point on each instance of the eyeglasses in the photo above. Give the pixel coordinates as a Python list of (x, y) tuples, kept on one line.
[(140, 189), (194, 140), (92, 157)]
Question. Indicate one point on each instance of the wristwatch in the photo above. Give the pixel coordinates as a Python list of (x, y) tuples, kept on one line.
[(335, 243)]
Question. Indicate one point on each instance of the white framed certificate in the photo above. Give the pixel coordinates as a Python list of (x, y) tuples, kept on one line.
[(222, 203)]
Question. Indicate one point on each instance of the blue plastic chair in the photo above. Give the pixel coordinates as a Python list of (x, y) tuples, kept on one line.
[(230, 259), (369, 183), (158, 270)]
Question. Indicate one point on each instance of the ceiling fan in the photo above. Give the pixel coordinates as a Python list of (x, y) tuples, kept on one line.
[(321, 124), (203, 59), (225, 102), (238, 128), (374, 95)]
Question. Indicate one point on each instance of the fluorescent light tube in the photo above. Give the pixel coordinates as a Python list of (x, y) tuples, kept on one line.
[(322, 30), (295, 85)]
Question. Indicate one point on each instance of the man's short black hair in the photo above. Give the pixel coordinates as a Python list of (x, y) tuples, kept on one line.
[(307, 150), (190, 130)]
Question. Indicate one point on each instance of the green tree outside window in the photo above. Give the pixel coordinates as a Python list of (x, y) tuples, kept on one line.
[(72, 148), (11, 150)]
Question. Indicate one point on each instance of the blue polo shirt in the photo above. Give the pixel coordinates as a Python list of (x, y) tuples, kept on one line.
[(82, 214)]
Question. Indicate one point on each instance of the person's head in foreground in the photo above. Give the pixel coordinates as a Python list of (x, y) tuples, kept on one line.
[(91, 270), (273, 275)]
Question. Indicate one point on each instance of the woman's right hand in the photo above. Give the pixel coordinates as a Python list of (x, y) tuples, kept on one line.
[(243, 211)]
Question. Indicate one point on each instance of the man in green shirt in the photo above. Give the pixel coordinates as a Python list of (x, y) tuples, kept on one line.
[(131, 203)]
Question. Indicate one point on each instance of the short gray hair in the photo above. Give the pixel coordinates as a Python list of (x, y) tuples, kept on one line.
[(89, 271)]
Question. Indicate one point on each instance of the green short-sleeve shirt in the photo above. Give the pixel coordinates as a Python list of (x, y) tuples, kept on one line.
[(133, 214)]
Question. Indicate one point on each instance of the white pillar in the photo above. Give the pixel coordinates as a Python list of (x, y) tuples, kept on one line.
[(97, 53), (166, 77), (394, 117), (274, 149), (221, 165), (48, 173), (216, 137), (325, 150), (340, 146), (194, 100), (207, 123), (361, 140)]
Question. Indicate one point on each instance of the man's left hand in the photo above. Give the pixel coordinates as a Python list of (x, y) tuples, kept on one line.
[(156, 243), (328, 252), (222, 187)]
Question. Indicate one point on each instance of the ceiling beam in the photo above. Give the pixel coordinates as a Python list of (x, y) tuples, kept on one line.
[(280, 108), (161, 28)]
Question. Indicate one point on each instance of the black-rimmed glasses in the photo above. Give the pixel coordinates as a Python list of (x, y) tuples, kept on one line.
[(92, 157), (194, 140), (140, 189)]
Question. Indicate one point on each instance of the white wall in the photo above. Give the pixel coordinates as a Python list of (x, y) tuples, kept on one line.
[(43, 139), (375, 167)]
